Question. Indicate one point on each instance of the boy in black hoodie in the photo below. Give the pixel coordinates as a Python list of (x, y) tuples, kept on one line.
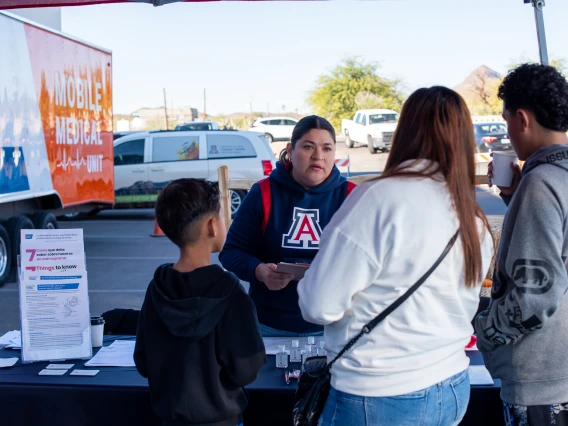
[(198, 339)]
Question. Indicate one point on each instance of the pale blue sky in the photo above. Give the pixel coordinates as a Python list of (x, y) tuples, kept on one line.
[(272, 52)]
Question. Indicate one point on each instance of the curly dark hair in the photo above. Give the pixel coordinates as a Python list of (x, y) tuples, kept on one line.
[(540, 89)]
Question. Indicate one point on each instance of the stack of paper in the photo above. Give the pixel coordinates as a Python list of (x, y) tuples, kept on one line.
[(54, 298), (119, 354), (11, 340)]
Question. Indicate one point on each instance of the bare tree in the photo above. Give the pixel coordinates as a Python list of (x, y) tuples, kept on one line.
[(481, 87)]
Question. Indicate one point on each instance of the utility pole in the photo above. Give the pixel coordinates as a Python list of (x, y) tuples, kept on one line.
[(166, 109), (539, 19), (204, 105)]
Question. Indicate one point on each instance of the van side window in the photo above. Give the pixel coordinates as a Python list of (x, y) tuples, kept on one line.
[(130, 152)]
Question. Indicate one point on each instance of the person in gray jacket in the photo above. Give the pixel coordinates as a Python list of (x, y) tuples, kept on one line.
[(523, 335)]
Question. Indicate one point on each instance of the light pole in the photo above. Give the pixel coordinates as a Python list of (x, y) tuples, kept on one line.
[(538, 5)]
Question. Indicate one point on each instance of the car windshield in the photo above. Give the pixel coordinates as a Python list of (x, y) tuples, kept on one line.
[(383, 118), (491, 128)]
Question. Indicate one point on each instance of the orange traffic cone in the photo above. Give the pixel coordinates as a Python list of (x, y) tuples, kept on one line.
[(157, 230)]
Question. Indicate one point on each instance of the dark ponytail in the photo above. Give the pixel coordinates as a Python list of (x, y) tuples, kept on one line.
[(306, 124)]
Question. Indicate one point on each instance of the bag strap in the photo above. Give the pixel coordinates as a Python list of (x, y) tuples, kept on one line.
[(266, 202), (350, 187), (375, 321)]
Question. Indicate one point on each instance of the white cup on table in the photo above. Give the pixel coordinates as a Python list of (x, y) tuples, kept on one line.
[(97, 328)]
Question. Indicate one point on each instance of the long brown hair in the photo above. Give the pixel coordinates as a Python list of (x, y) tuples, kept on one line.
[(435, 124)]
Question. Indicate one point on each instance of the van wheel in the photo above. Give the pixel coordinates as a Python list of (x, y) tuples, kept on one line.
[(348, 140), (13, 226), (236, 199), (5, 256), (44, 220), (372, 149), (269, 137)]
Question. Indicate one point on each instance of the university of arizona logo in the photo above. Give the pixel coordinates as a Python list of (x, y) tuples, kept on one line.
[(305, 232)]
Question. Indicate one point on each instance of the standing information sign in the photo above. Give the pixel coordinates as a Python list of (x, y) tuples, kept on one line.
[(54, 298)]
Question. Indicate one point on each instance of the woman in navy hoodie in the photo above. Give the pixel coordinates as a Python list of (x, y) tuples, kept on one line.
[(281, 220)]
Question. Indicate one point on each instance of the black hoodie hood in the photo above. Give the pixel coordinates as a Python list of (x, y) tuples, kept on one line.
[(190, 304), (283, 176)]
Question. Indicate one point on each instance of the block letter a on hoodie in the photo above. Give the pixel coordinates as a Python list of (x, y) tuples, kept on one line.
[(305, 232)]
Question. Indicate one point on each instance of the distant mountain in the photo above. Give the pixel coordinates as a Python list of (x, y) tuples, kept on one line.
[(482, 72), (479, 90)]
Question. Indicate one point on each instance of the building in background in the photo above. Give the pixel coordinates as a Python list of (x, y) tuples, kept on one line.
[(154, 118)]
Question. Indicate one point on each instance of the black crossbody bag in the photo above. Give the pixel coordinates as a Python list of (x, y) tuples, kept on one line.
[(314, 383)]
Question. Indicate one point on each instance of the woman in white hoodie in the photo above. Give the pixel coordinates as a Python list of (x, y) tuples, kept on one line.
[(412, 368)]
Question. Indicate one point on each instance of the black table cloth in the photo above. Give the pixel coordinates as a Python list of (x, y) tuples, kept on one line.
[(120, 396)]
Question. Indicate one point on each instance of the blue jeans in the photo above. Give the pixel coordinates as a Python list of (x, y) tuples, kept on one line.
[(272, 332), (443, 404)]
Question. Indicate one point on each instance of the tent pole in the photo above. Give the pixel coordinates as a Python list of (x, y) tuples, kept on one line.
[(539, 19)]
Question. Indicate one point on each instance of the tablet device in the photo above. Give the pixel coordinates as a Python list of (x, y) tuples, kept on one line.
[(298, 269)]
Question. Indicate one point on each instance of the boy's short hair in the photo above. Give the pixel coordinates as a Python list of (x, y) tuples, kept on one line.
[(540, 89), (182, 204)]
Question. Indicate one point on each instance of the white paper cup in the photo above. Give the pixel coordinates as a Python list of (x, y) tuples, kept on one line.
[(502, 173), (97, 328)]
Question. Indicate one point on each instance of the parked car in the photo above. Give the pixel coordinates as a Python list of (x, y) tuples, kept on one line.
[(146, 162), (372, 127), (491, 137), (274, 128), (198, 125)]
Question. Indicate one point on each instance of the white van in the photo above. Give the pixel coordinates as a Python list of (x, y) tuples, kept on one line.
[(146, 162)]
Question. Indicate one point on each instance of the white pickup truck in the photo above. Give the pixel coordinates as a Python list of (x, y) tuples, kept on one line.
[(372, 127)]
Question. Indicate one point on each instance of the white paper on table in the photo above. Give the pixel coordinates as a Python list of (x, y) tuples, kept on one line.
[(55, 317), (84, 373), (7, 362), (59, 366), (119, 354), (126, 344), (15, 342), (52, 372), (479, 375), (10, 337)]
